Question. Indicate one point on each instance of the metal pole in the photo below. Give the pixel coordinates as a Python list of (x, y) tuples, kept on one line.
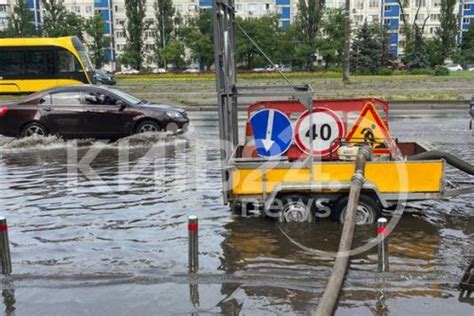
[(471, 111), (5, 247), (193, 244), (382, 233)]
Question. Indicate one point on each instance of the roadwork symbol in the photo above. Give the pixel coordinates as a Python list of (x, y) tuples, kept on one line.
[(369, 127)]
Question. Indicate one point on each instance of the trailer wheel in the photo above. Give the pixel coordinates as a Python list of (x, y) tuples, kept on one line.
[(368, 210), (296, 208), (235, 207)]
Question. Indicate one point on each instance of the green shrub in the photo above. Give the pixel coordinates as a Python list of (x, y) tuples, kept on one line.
[(385, 72), (441, 71), (420, 71), (334, 69)]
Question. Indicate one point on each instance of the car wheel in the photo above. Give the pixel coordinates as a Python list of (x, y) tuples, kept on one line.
[(368, 211), (34, 129), (296, 208), (148, 127)]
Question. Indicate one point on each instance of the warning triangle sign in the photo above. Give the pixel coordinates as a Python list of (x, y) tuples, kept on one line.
[(370, 128)]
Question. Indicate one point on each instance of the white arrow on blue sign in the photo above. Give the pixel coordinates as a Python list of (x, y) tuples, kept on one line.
[(272, 132)]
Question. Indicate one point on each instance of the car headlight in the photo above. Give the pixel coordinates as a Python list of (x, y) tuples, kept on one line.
[(174, 114)]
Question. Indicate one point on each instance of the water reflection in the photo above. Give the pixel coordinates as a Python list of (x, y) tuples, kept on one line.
[(127, 228), (256, 250), (8, 293)]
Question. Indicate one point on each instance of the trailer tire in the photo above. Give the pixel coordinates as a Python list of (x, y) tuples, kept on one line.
[(234, 207), (368, 210), (297, 208)]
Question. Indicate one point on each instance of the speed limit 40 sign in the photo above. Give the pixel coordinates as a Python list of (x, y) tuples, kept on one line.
[(323, 126)]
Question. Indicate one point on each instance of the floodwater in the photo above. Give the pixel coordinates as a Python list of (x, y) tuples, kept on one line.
[(110, 237)]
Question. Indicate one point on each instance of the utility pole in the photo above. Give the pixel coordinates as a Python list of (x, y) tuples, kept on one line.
[(347, 43), (163, 44)]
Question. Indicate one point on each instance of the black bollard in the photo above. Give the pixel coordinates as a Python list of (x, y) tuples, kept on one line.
[(193, 228), (382, 234), (5, 247), (471, 111)]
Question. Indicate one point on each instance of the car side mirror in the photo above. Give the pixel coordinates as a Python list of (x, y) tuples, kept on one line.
[(122, 105)]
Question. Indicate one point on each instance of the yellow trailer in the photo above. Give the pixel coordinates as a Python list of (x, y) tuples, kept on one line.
[(298, 155), (303, 193)]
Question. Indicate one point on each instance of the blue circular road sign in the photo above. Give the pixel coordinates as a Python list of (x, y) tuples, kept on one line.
[(272, 132)]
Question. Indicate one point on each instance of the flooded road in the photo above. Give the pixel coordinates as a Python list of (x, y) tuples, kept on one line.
[(112, 238)]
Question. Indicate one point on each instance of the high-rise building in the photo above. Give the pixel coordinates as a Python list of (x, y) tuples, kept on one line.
[(5, 9), (466, 16), (387, 13)]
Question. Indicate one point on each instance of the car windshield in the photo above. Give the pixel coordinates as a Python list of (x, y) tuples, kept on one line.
[(127, 97), (101, 72)]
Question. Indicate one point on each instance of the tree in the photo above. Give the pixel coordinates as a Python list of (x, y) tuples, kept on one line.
[(302, 51), (432, 50), (416, 55), (164, 13), (57, 21), (309, 18), (134, 29), (331, 47), (310, 13), (387, 58), (446, 33), (288, 44), (73, 25), (467, 46), (199, 38), (19, 23), (263, 31), (366, 50), (346, 64), (173, 53), (94, 27)]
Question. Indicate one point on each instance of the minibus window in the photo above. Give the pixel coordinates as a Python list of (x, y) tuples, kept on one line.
[(68, 62), (11, 63), (39, 62)]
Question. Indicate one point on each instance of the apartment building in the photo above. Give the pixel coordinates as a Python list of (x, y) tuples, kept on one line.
[(389, 13), (386, 12), (5, 9)]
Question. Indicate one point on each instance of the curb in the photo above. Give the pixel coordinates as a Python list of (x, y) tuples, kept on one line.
[(415, 105)]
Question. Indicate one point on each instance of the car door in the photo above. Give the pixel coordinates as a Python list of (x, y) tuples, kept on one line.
[(104, 117), (63, 113)]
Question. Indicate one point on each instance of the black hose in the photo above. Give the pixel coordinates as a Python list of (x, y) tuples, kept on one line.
[(450, 159), (328, 302)]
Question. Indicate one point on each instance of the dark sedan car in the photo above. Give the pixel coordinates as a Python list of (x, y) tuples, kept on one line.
[(88, 111), (101, 77)]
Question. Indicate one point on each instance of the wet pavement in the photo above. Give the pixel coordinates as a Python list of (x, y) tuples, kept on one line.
[(112, 238)]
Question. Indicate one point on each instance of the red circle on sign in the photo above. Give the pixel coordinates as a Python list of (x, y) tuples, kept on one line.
[(303, 147)]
